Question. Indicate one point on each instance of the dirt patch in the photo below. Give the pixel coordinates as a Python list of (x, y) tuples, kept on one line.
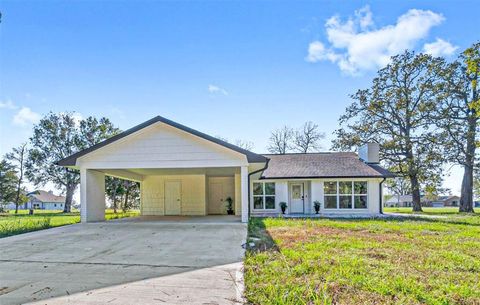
[(291, 236)]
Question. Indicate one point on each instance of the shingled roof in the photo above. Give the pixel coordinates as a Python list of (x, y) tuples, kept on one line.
[(321, 165), (45, 196)]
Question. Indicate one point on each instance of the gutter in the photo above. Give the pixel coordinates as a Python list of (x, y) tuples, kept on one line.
[(380, 195), (255, 172)]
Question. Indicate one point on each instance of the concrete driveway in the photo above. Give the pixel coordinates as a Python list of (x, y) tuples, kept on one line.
[(143, 261)]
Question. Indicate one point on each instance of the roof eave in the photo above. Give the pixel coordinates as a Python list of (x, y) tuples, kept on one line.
[(322, 177)]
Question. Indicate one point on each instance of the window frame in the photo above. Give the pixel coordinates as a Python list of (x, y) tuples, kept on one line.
[(264, 196), (352, 195)]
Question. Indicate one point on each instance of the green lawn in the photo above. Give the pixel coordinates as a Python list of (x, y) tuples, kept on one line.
[(369, 261), (430, 211), (12, 224)]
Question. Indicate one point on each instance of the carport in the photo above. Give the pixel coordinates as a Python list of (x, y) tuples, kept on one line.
[(181, 171)]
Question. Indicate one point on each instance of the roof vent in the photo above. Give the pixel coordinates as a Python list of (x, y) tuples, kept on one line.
[(369, 152)]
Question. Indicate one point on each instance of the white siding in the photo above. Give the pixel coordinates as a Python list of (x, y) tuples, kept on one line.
[(53, 206), (281, 194), (317, 194), (374, 196), (161, 146), (193, 201), (314, 191)]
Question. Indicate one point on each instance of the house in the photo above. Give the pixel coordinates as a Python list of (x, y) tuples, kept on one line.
[(400, 201), (185, 172), (445, 201), (407, 201), (43, 200)]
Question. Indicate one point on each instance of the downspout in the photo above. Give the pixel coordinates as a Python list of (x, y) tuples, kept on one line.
[(257, 171), (380, 195)]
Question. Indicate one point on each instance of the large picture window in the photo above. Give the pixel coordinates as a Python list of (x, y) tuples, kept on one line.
[(345, 194), (264, 195)]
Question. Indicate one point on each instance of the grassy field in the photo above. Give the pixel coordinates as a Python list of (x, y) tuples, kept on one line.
[(369, 261), (12, 224), (427, 211)]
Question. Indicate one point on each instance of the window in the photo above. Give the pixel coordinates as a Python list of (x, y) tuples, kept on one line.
[(345, 191), (360, 194), (330, 190), (345, 194), (264, 195)]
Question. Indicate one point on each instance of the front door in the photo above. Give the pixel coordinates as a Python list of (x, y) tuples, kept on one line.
[(215, 203), (296, 198), (173, 197)]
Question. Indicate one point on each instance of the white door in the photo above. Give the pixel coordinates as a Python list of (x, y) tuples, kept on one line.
[(296, 198), (216, 203), (173, 197)]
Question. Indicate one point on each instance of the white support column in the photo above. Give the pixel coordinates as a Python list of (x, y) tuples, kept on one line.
[(238, 195), (92, 195), (244, 192)]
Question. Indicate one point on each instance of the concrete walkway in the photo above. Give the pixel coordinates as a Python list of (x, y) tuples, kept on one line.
[(125, 262)]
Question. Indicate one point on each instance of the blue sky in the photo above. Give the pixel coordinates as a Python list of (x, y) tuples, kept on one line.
[(230, 69)]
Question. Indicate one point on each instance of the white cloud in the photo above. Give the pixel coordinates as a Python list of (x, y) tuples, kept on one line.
[(439, 48), (25, 117), (8, 104), (356, 45), (216, 90)]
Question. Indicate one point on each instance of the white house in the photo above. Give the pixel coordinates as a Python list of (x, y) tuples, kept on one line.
[(185, 172), (43, 200)]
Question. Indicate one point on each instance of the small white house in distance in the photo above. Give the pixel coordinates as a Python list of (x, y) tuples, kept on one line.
[(182, 171), (43, 200)]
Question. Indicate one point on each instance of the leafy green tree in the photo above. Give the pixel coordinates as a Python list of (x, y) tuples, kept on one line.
[(114, 190), (476, 188), (396, 113), (8, 182), (459, 108), (58, 136), (18, 157), (132, 195), (399, 186)]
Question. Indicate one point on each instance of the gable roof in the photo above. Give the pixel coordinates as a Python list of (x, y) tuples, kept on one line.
[(251, 157), (45, 196), (321, 165)]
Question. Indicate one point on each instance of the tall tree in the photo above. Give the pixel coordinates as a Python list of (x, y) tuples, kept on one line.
[(281, 140), (92, 130), (8, 182), (399, 186), (307, 138), (132, 195), (18, 157), (58, 136), (396, 113), (114, 191), (459, 110), (476, 188)]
